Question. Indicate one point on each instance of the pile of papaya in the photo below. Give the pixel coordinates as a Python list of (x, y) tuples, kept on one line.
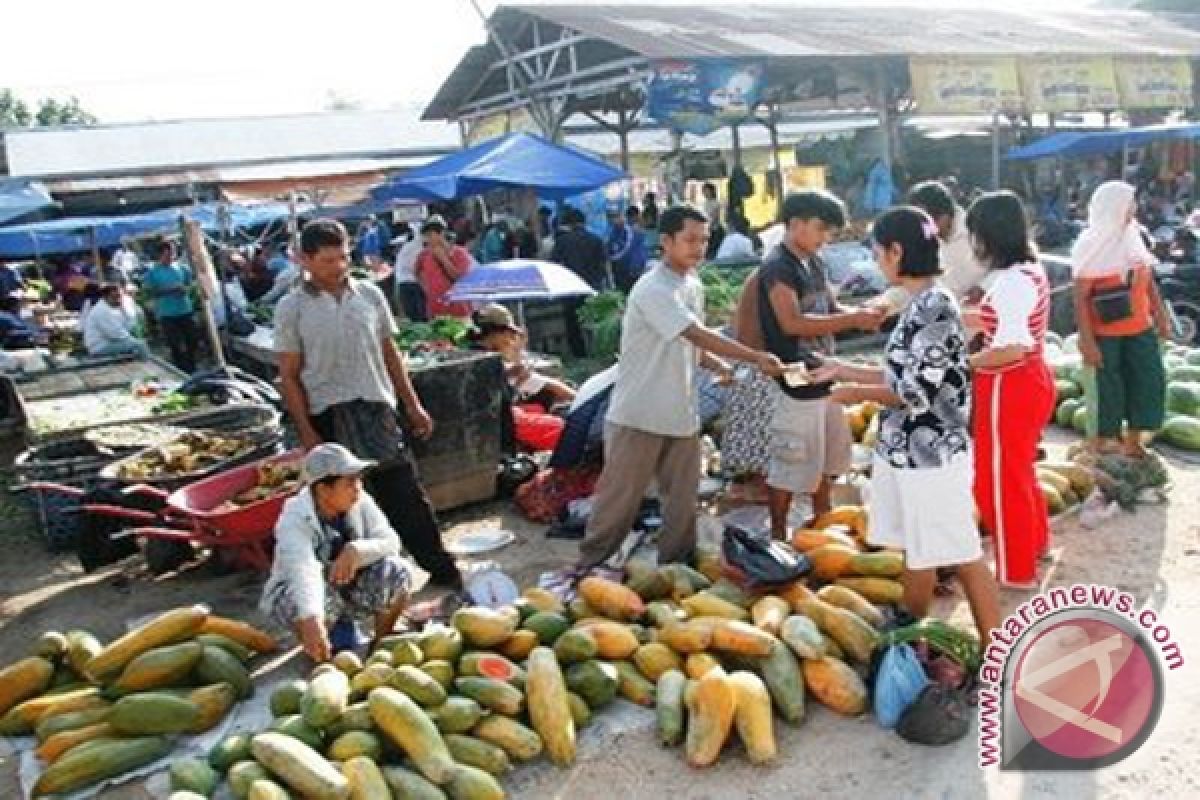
[(99, 711)]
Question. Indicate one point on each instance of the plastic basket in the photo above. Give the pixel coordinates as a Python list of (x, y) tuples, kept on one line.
[(55, 510), (71, 461)]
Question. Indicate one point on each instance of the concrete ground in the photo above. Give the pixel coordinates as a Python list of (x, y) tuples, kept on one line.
[(1154, 554)]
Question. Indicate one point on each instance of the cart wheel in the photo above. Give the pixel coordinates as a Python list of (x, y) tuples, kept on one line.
[(164, 555)]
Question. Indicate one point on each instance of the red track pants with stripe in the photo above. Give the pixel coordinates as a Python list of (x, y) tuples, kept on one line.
[(1011, 410)]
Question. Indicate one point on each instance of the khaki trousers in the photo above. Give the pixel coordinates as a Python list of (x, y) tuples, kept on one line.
[(632, 458)]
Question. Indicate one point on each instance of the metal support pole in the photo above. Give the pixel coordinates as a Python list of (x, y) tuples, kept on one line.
[(737, 144), (995, 151), (193, 242), (776, 164)]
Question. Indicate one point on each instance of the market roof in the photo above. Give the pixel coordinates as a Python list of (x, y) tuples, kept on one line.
[(612, 46)]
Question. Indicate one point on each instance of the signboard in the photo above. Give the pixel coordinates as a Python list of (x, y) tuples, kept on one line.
[(701, 96), (481, 129), (965, 85), (1069, 83), (1155, 82)]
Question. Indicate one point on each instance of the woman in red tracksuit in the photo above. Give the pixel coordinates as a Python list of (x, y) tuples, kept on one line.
[(1013, 388)]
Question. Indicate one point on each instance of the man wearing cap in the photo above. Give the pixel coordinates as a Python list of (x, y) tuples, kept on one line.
[(493, 328), (336, 556), (440, 266), (341, 376)]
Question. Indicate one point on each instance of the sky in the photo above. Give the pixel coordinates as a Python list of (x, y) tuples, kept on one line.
[(133, 60)]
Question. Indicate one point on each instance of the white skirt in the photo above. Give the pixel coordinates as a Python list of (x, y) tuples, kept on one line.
[(928, 513)]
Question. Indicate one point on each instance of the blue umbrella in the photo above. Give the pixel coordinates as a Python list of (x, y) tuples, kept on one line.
[(518, 279)]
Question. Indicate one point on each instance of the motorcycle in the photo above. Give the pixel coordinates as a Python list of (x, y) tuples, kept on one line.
[(1179, 285)]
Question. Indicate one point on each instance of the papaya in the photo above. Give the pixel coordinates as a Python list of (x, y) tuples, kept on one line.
[(842, 597), (229, 751), (326, 698), (441, 671), (668, 703), (410, 728), (549, 709), (218, 666), (348, 662), (51, 645), (370, 677), (854, 517), (650, 585), (494, 695), (654, 659), (50, 750), (521, 743), (614, 641), (355, 744), (25, 716), (832, 648), (692, 636), (294, 725), (880, 564), (285, 699), (802, 635), (595, 681), (752, 717), (784, 682), (543, 600), (244, 774), (742, 638), (301, 767), (193, 775), (769, 612), (409, 785), (267, 790), (661, 614), (236, 649), (731, 593), (456, 715), (698, 664), (706, 604), (831, 561), (148, 713), (407, 652), (365, 779), (835, 685), (490, 665), (470, 783), (478, 753), (884, 591), (356, 717), (159, 667), (419, 685), (795, 595), (27, 678), (518, 646), (245, 634), (483, 627), (69, 721), (580, 712), (213, 702), (440, 643), (548, 626), (382, 656), (633, 686), (710, 711), (575, 646), (805, 539), (174, 626), (611, 599), (854, 636), (99, 760), (578, 609)]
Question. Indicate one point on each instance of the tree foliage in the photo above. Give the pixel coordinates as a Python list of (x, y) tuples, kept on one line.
[(16, 113)]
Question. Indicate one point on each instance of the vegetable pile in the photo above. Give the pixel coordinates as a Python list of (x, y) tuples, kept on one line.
[(441, 331), (189, 453), (101, 711)]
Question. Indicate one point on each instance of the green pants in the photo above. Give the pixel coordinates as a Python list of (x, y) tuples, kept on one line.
[(1129, 387)]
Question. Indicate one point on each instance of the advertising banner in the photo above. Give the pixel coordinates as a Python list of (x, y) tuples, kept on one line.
[(1152, 82), (965, 85), (701, 96), (1069, 83)]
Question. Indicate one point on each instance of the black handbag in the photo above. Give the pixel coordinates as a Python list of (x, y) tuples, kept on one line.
[(756, 561), (1115, 304)]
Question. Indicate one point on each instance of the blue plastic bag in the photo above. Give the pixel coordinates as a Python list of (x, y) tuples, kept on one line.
[(898, 683)]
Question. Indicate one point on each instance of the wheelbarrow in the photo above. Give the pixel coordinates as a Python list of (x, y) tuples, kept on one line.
[(201, 514)]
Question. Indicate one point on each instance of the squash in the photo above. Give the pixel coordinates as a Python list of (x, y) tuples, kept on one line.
[(614, 641), (518, 646), (419, 685), (148, 713), (492, 694), (469, 783), (299, 766), (769, 612), (365, 779), (50, 750), (668, 705), (410, 728), (611, 599), (753, 717), (543, 600), (482, 627), (174, 626), (877, 590), (478, 753), (549, 711), (27, 678), (841, 597), (159, 667), (705, 604), (836, 685), (802, 635), (854, 636), (213, 702), (830, 561), (698, 664), (742, 638), (246, 635), (456, 715), (193, 775), (408, 785), (854, 517), (693, 636), (326, 698), (654, 659), (99, 760), (633, 686), (595, 681), (710, 709), (880, 564), (521, 743), (353, 744), (216, 665), (785, 684), (805, 539)]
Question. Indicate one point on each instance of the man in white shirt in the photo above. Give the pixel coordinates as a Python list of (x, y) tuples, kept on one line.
[(653, 424), (961, 270), (108, 329), (737, 244)]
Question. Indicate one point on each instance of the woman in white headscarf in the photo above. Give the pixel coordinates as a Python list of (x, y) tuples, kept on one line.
[(1121, 319)]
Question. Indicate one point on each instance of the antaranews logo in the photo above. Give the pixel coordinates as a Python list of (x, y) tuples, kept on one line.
[(1073, 680)]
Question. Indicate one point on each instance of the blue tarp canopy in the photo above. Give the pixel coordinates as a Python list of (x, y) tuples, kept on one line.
[(1098, 143), (513, 161), (75, 234), (19, 198)]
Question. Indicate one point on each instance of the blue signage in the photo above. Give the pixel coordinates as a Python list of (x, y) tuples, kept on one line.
[(701, 96)]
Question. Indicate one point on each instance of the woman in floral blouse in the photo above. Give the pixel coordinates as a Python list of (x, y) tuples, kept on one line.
[(921, 500)]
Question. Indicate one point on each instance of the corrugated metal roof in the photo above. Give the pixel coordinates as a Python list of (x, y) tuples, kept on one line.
[(658, 141), (205, 144), (803, 31)]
